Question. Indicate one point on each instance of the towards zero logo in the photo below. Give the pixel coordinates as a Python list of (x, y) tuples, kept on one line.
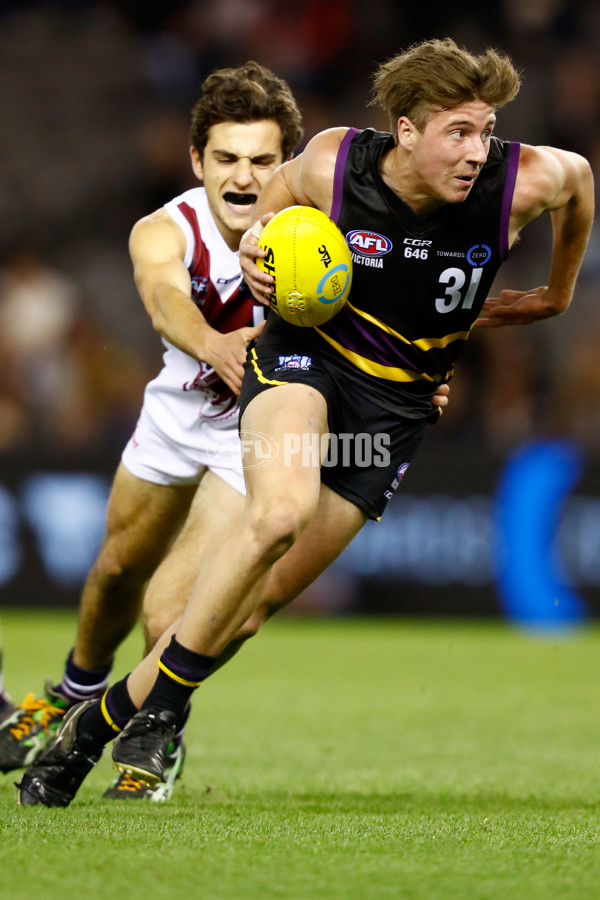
[(478, 255)]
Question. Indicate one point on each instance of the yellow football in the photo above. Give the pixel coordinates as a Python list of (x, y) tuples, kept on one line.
[(309, 259)]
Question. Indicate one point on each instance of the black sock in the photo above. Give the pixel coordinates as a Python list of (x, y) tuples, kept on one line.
[(181, 671), (82, 684), (107, 717)]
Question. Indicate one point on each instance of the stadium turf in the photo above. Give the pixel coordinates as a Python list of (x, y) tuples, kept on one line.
[(341, 759)]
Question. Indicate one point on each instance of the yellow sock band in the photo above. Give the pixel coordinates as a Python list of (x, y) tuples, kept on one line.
[(177, 678), (106, 714)]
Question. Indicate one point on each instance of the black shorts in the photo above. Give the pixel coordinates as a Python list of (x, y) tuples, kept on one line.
[(370, 447)]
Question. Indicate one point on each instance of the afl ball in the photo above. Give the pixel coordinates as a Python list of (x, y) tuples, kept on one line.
[(309, 259)]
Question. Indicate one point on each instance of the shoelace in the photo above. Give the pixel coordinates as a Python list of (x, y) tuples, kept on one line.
[(31, 706), (128, 783)]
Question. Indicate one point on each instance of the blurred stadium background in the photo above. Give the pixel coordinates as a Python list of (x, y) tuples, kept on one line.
[(500, 515)]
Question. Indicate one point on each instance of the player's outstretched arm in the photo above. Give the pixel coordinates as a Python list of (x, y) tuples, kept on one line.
[(157, 250), (561, 183), (516, 308)]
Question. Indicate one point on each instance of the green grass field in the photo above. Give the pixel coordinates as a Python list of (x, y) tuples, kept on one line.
[(340, 759)]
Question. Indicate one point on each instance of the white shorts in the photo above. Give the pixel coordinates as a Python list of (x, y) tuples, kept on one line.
[(154, 456)]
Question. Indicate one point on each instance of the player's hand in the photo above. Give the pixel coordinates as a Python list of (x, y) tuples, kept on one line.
[(519, 308), (226, 353), (259, 282), (440, 398)]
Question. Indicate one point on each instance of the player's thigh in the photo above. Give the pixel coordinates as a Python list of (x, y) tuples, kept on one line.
[(216, 505), (143, 517), (215, 508), (292, 417), (336, 522)]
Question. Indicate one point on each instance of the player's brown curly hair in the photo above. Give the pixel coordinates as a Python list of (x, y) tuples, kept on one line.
[(248, 93), (438, 74)]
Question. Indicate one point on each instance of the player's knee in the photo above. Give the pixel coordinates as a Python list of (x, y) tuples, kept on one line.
[(116, 562), (155, 623), (277, 525)]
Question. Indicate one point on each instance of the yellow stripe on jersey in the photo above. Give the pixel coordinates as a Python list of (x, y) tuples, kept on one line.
[(192, 684), (421, 343), (106, 713), (440, 343), (258, 371), (391, 373)]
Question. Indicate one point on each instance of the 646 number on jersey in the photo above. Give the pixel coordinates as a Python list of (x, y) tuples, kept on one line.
[(414, 248)]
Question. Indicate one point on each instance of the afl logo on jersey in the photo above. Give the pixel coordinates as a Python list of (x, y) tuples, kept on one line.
[(478, 255), (368, 243)]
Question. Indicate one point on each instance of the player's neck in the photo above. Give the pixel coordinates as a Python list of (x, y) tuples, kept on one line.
[(400, 177)]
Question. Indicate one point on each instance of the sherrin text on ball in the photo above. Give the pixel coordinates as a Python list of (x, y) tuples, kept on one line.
[(309, 259)]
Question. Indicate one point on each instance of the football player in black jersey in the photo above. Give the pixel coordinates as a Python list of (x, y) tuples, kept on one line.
[(439, 183), (244, 124)]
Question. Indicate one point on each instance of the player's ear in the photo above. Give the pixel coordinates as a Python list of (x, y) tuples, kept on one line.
[(196, 164), (405, 132)]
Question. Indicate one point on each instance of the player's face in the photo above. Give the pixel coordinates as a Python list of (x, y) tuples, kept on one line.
[(239, 158), (449, 154)]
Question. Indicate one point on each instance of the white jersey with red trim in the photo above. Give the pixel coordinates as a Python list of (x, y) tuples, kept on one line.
[(190, 389), (187, 404)]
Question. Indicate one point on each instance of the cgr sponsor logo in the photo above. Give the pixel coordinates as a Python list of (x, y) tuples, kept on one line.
[(416, 248), (369, 243)]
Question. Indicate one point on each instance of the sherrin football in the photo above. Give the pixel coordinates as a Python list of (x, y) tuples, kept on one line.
[(309, 259)]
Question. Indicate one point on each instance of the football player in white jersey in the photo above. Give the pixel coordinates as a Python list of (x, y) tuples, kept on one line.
[(185, 450)]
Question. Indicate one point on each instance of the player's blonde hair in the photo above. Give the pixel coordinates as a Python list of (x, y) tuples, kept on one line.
[(248, 93), (438, 74)]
